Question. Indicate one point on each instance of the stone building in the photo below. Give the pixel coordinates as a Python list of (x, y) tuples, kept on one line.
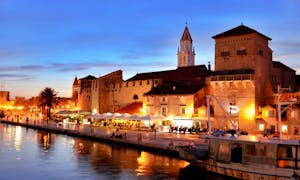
[(102, 88), (177, 103), (243, 83), (245, 77), (111, 93), (4, 97), (83, 88), (283, 76), (75, 93)]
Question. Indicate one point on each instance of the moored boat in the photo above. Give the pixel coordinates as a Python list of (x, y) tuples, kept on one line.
[(252, 157)]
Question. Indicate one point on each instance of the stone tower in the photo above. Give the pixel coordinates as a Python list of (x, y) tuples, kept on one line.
[(75, 92), (186, 53), (243, 48)]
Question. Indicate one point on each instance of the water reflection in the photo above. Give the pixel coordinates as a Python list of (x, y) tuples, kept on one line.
[(18, 138), (116, 160), (45, 139), (42, 155)]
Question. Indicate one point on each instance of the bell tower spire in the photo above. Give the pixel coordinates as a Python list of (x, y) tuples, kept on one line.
[(186, 53)]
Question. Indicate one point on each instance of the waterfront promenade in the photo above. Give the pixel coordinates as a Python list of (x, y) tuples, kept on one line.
[(162, 142)]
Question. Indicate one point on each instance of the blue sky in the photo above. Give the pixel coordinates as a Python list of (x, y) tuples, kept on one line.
[(48, 42)]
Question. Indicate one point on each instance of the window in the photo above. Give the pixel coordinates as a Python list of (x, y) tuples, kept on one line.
[(261, 52), (262, 150), (164, 111), (135, 97), (261, 127), (241, 52), (224, 151), (286, 156), (250, 149), (286, 152), (133, 83), (163, 99), (271, 113), (183, 110), (141, 82), (225, 53), (284, 128), (148, 82), (126, 84)]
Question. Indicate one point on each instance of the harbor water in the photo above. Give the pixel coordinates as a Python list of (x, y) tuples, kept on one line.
[(31, 154)]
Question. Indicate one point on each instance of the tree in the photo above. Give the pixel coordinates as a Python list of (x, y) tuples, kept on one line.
[(48, 99)]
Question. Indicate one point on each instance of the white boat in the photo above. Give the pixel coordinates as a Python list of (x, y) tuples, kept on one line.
[(252, 157)]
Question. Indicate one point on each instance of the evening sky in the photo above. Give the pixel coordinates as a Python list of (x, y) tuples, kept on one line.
[(49, 42)]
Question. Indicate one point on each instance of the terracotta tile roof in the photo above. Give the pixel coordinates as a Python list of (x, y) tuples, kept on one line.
[(186, 36), (168, 89), (131, 108), (181, 73), (240, 30)]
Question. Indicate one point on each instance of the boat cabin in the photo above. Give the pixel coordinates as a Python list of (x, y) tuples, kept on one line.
[(253, 150)]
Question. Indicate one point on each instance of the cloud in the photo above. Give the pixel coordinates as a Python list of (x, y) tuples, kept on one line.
[(32, 67), (68, 67), (292, 44), (286, 56), (16, 77), (22, 68), (11, 75)]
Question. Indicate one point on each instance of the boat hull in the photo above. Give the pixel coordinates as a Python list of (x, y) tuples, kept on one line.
[(247, 172)]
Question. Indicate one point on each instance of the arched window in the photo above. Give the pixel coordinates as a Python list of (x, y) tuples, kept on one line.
[(135, 97)]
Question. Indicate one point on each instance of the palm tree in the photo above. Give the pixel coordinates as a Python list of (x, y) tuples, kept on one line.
[(48, 99)]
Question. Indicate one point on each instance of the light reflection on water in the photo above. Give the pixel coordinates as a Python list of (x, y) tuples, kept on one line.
[(31, 154)]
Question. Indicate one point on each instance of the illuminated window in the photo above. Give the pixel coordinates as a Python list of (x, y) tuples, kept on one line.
[(284, 128), (261, 127)]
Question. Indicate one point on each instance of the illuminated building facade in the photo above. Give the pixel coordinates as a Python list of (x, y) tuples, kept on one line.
[(176, 103), (243, 82), (245, 77)]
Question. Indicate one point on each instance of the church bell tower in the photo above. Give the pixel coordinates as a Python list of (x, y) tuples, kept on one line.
[(186, 53)]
